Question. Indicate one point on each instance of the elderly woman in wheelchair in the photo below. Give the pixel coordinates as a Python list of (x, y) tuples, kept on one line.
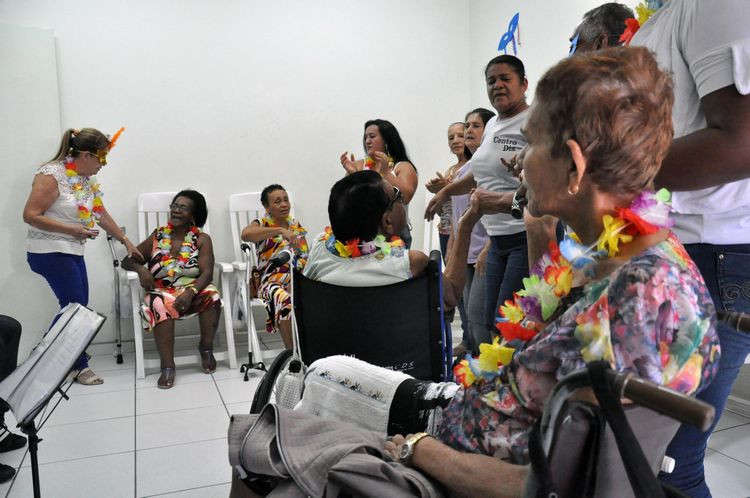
[(620, 289), (177, 280), (277, 231)]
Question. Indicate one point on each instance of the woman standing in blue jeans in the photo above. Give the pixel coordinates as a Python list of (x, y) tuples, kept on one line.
[(507, 260), (62, 211)]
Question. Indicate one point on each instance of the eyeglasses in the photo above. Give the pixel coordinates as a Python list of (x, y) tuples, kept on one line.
[(397, 197), (180, 207), (101, 155)]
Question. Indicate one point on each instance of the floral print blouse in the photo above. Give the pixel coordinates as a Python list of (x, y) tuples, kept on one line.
[(653, 316)]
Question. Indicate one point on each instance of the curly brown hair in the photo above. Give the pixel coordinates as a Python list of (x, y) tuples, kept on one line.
[(617, 104)]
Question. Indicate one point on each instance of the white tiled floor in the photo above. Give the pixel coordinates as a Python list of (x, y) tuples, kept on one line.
[(128, 438)]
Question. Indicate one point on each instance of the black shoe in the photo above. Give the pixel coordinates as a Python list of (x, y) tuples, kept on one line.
[(6, 473), (12, 442)]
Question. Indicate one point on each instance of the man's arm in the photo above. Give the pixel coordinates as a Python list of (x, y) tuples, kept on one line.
[(717, 154)]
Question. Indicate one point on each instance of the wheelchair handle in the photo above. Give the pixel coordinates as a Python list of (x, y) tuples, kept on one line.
[(245, 247), (664, 400)]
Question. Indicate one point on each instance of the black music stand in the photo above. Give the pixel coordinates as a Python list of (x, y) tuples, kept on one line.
[(29, 388)]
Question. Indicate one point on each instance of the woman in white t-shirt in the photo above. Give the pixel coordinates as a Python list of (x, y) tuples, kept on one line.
[(507, 261), (62, 211)]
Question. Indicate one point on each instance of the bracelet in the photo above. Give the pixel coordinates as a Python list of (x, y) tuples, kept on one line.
[(122, 240)]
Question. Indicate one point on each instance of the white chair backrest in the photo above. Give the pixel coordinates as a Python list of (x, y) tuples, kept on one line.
[(153, 212), (244, 208)]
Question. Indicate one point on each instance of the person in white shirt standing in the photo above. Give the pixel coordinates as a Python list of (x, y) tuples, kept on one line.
[(706, 47)]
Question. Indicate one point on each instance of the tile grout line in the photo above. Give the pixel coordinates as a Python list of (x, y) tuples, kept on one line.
[(188, 489), (135, 433), (732, 427), (730, 457)]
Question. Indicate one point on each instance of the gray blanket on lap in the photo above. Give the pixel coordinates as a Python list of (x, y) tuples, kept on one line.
[(319, 457)]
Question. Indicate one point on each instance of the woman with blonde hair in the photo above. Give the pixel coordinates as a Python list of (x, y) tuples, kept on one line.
[(63, 209)]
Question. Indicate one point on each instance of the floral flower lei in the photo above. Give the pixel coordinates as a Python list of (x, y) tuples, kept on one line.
[(82, 188), (295, 227), (354, 248), (370, 162), (551, 280), (164, 245), (644, 11)]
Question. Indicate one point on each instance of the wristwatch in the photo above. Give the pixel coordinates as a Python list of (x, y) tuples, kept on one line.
[(517, 205), (407, 450)]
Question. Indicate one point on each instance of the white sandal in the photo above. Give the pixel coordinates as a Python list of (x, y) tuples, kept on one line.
[(88, 378)]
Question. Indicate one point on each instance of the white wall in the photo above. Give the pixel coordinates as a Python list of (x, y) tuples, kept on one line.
[(229, 96), (545, 27)]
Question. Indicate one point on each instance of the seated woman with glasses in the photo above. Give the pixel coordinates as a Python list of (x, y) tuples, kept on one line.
[(277, 231), (177, 280)]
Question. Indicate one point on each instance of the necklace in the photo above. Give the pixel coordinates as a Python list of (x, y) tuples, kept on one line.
[(644, 11), (551, 280), (354, 248), (175, 265), (83, 188)]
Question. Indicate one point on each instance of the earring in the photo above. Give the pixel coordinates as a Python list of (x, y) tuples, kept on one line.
[(573, 192)]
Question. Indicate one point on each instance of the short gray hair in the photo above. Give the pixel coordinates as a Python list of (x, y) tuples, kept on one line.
[(607, 19)]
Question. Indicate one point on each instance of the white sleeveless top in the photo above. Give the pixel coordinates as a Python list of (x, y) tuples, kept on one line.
[(65, 210), (365, 271)]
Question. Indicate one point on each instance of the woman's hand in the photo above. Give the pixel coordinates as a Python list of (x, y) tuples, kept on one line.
[(133, 251), (82, 233), (433, 207), (349, 163), (183, 301), (437, 184), (146, 279), (383, 163)]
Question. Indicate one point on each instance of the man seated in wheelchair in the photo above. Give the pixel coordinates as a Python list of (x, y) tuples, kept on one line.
[(622, 289), (361, 248)]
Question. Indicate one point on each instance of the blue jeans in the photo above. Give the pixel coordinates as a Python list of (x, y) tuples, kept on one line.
[(726, 270), (66, 275), (507, 266)]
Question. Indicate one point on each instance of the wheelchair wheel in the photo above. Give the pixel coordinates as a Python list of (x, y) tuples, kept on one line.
[(266, 391)]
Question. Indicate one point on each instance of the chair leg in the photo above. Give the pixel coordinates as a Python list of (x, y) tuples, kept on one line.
[(140, 369), (231, 353)]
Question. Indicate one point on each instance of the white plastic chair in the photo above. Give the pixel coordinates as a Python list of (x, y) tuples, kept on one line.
[(243, 209), (153, 212)]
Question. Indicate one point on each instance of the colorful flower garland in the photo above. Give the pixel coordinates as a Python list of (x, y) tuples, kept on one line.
[(83, 188), (294, 226), (551, 280), (644, 11), (354, 248), (164, 245)]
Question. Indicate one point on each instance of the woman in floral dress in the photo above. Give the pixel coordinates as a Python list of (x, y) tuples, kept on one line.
[(276, 231), (177, 280)]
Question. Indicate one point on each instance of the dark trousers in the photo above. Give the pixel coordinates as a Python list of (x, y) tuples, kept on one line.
[(10, 336), (507, 266)]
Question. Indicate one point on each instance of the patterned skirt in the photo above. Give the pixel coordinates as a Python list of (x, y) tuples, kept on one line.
[(158, 304), (278, 304)]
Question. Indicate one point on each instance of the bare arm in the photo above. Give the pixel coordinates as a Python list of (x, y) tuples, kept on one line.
[(405, 178), (539, 232), (256, 233), (458, 187), (132, 263), (454, 276), (205, 261), (111, 227), (717, 154), (43, 194), (464, 474)]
